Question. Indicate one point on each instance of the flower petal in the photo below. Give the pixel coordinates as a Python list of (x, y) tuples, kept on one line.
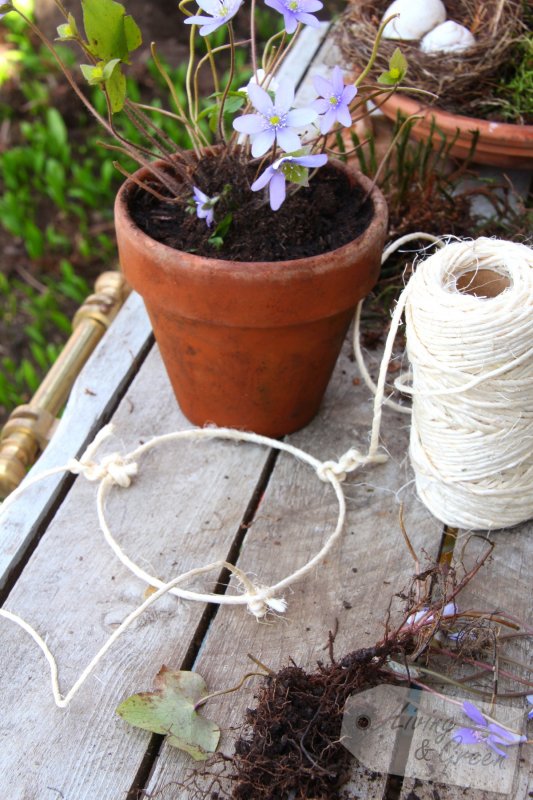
[(277, 190), (474, 714), (284, 96), (213, 26), (249, 123), (263, 179), (211, 7), (291, 23), (301, 116), (311, 5), (199, 20), (307, 19), (260, 99), (326, 123), (466, 736), (344, 116), (348, 93), (288, 140), (316, 160), (322, 86), (503, 736), (337, 80), (321, 106), (261, 143), (496, 749)]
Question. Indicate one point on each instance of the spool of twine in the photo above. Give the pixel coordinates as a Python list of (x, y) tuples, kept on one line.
[(469, 327)]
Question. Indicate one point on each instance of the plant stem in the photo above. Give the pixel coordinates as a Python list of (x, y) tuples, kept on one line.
[(228, 84)]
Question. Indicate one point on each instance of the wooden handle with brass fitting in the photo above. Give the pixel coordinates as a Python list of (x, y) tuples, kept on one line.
[(30, 427)]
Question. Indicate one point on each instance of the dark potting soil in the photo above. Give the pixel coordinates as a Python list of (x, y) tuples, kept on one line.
[(292, 748), (316, 219)]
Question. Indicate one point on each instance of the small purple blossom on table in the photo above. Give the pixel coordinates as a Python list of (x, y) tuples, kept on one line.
[(204, 206), (494, 736), (275, 121), (296, 11), (335, 98), (275, 176), (220, 12), (449, 610)]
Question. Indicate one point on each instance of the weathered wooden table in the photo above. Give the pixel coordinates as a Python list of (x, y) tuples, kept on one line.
[(191, 504)]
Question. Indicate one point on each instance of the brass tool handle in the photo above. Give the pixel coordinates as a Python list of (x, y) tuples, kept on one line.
[(29, 427)]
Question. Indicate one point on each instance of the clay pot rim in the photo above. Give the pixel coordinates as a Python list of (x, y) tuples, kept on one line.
[(411, 106), (241, 268)]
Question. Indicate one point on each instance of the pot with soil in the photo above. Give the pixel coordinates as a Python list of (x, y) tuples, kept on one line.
[(250, 340)]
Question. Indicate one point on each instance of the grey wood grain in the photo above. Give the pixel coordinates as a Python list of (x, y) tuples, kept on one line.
[(183, 510), (353, 586)]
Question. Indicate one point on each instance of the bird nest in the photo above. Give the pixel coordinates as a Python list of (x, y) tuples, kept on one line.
[(458, 78)]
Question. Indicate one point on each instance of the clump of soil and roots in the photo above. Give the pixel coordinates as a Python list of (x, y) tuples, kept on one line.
[(293, 747)]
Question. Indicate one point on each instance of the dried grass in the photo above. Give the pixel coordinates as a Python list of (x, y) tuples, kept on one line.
[(459, 78)]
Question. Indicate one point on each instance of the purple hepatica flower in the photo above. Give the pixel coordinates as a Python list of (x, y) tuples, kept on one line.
[(204, 206), (295, 11), (335, 97), (493, 735), (220, 11), (274, 175), (275, 120)]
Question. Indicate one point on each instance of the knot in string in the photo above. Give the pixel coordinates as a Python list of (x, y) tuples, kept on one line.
[(348, 462), (113, 466), (259, 605)]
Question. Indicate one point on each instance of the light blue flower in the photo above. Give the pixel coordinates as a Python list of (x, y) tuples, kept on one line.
[(275, 121), (295, 11), (204, 206), (334, 101), (275, 175), (494, 736), (220, 12)]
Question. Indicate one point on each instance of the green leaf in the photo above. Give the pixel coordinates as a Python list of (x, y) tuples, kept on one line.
[(398, 62), (170, 709), (295, 173), (108, 33), (65, 32), (396, 71), (133, 34), (93, 75), (116, 87)]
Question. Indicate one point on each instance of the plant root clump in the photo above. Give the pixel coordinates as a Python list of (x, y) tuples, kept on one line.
[(292, 748)]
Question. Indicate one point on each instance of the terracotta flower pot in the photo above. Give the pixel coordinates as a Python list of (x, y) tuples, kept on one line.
[(250, 345), (500, 144)]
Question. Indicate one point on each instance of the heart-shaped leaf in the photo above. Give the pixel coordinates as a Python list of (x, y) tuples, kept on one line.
[(170, 709)]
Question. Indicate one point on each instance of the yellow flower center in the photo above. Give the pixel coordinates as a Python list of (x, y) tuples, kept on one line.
[(333, 100), (293, 5), (274, 120)]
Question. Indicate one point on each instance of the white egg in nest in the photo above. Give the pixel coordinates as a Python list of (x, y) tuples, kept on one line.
[(450, 37), (417, 17)]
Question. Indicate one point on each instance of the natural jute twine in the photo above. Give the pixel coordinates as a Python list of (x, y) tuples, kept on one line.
[(469, 327), (472, 430)]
